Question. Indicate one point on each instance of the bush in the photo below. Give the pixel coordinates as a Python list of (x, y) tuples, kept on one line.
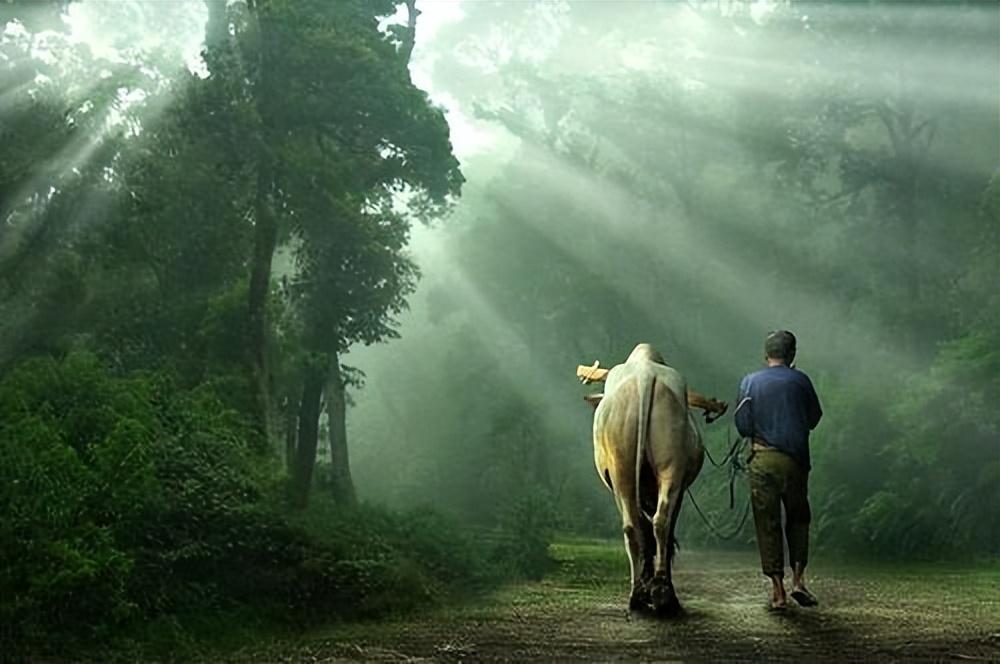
[(913, 472), (72, 461), (526, 532), (367, 561), (127, 499)]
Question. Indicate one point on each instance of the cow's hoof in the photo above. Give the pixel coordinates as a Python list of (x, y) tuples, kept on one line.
[(670, 609), (664, 599), (639, 599)]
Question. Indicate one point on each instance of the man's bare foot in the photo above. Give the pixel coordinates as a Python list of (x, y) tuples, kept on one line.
[(779, 601)]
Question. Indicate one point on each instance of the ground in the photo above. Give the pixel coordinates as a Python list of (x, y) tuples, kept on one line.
[(577, 613)]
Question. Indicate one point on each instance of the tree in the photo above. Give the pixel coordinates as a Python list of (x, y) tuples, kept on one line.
[(340, 133), (371, 137)]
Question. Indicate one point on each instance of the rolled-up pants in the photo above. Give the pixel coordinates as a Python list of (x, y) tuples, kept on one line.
[(775, 480)]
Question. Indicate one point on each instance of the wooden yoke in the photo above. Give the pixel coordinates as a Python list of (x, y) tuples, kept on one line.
[(591, 374), (595, 374)]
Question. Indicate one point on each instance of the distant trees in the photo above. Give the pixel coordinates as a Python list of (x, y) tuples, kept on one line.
[(704, 176)]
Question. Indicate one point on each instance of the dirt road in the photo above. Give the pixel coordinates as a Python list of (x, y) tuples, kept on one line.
[(883, 613)]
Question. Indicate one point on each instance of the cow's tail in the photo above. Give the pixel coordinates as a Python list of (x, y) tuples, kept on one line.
[(647, 383)]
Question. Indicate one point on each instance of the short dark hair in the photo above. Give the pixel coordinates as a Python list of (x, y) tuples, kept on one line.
[(780, 345)]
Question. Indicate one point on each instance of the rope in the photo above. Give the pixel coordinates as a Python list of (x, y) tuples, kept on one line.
[(732, 460), (734, 447), (712, 528)]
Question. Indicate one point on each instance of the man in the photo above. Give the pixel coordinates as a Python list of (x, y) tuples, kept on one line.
[(778, 407)]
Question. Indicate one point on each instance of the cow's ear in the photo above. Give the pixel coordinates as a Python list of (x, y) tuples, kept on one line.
[(593, 399)]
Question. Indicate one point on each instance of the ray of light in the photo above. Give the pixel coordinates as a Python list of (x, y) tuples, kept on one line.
[(513, 355), (31, 199), (15, 95), (728, 278), (959, 71)]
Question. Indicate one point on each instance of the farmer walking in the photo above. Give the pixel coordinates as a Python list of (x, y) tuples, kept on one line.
[(778, 407)]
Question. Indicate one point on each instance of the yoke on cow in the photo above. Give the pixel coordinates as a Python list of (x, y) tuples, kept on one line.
[(595, 373)]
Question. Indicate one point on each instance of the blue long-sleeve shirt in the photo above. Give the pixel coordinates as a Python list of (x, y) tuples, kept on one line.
[(782, 410)]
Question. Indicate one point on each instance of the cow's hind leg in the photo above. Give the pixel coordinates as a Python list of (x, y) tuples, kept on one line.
[(632, 530), (648, 540), (662, 593), (648, 496)]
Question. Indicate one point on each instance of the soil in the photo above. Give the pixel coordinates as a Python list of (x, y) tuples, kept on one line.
[(923, 613)]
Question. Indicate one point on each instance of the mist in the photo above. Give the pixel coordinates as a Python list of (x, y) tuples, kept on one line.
[(692, 178), (293, 296)]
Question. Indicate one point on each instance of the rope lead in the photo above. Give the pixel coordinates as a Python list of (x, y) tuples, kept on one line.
[(712, 528), (735, 467)]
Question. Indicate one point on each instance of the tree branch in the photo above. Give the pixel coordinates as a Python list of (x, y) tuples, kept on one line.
[(411, 30), (886, 114)]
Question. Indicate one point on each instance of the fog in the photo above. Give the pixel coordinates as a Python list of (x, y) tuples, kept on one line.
[(693, 177)]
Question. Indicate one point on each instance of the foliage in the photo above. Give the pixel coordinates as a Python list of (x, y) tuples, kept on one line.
[(526, 527), (126, 499), (339, 175), (945, 457)]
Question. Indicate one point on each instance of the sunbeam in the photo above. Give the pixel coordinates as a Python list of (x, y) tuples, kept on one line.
[(686, 252)]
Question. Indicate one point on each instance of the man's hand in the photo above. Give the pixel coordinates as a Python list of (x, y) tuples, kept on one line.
[(710, 406), (716, 407)]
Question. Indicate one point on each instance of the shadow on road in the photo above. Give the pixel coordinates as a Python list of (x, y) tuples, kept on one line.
[(747, 630)]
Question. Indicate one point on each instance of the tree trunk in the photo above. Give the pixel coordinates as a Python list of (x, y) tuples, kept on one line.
[(291, 433), (265, 240), (336, 411), (308, 437), (411, 30), (217, 25), (911, 142)]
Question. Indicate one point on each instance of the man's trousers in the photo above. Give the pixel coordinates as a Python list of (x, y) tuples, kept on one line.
[(775, 480)]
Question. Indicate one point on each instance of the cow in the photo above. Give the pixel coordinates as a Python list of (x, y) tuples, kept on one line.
[(648, 451)]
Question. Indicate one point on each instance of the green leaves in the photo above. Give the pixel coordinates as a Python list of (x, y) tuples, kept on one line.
[(351, 132), (127, 498)]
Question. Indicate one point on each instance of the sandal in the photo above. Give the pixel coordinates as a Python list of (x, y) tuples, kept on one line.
[(804, 597)]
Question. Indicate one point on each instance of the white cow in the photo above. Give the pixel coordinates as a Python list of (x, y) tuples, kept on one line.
[(648, 451)]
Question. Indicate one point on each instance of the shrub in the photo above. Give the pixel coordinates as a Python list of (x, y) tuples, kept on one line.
[(526, 528), (126, 499)]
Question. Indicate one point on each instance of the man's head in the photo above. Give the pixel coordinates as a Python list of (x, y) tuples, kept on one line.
[(779, 347)]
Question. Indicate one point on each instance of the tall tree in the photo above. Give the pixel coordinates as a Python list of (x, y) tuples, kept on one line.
[(341, 133), (353, 275)]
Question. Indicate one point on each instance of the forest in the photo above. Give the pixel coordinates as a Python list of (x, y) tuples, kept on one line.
[(292, 293)]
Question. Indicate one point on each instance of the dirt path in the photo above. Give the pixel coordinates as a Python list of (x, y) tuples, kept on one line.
[(906, 614)]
